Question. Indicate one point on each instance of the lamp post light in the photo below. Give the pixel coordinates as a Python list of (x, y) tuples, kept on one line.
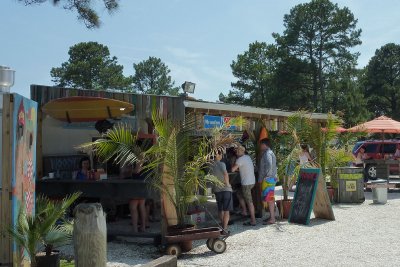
[(7, 76), (188, 87)]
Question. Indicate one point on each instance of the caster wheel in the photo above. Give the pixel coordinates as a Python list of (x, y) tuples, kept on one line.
[(209, 243), (174, 250), (219, 246)]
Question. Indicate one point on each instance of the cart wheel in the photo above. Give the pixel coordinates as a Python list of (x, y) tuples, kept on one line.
[(219, 246), (174, 250), (209, 243)]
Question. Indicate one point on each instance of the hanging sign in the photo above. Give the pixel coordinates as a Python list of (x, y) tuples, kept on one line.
[(212, 121)]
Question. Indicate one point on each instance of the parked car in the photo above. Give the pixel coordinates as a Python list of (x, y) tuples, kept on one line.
[(377, 149)]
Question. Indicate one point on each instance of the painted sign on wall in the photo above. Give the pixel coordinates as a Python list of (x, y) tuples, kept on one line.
[(229, 123), (24, 121)]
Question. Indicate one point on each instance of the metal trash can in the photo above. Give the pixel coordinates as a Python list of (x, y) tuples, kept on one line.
[(379, 191)]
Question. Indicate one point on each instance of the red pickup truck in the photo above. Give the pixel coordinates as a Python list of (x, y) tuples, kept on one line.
[(378, 149)]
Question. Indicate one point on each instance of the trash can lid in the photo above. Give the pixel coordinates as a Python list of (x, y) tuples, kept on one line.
[(379, 181)]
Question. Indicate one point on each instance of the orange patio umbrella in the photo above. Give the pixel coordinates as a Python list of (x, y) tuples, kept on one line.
[(381, 124)]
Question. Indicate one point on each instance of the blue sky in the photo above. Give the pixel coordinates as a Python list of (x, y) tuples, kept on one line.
[(197, 39)]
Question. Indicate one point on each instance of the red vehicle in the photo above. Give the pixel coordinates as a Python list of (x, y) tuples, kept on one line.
[(378, 149)]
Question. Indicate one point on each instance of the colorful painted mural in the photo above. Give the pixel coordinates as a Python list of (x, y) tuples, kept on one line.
[(24, 157)]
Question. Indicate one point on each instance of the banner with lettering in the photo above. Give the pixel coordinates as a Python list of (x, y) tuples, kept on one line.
[(212, 121)]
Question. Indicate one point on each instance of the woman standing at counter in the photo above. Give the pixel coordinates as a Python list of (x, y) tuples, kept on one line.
[(137, 206)]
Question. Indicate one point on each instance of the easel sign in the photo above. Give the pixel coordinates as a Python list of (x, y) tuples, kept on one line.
[(310, 195)]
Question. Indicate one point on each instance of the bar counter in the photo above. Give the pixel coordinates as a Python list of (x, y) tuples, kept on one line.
[(108, 188)]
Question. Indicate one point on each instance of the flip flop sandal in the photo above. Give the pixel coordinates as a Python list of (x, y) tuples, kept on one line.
[(268, 223), (249, 224)]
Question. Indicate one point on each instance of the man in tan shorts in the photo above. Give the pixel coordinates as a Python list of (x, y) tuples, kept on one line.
[(248, 179)]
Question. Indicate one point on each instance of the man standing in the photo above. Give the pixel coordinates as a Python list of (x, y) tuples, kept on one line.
[(246, 170), (223, 194), (268, 178)]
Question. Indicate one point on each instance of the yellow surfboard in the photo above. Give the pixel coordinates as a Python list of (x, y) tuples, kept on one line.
[(86, 108)]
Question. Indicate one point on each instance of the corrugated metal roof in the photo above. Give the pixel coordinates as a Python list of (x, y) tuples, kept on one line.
[(246, 109)]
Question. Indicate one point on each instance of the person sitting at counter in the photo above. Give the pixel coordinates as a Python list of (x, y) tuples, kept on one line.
[(84, 169), (360, 157), (397, 153)]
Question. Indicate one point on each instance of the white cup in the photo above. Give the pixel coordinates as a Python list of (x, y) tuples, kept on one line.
[(51, 174)]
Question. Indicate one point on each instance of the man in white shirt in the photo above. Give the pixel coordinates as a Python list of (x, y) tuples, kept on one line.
[(248, 179)]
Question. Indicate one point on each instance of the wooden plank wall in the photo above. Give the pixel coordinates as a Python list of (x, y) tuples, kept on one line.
[(170, 106), (6, 191)]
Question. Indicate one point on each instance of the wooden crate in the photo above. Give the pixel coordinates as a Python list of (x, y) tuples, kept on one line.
[(350, 185)]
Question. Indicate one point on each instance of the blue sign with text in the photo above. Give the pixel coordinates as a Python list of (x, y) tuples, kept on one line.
[(213, 121)]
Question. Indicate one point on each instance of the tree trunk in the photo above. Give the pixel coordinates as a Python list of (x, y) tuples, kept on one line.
[(90, 235), (315, 90), (320, 83), (314, 79)]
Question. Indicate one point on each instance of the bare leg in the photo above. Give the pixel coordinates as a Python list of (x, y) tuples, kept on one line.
[(133, 208), (243, 206), (221, 217), (225, 219), (143, 215), (147, 206), (271, 207), (252, 216)]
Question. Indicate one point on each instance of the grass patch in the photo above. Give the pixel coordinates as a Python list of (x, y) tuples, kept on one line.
[(65, 263)]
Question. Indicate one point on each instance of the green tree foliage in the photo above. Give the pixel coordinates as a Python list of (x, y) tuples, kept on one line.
[(382, 84), (292, 84), (152, 77), (320, 34), (90, 66), (254, 70), (347, 97), (309, 67), (84, 8)]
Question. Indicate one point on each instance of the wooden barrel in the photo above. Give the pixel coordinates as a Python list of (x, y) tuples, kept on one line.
[(350, 185)]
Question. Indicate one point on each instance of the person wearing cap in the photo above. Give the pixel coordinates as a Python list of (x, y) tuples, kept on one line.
[(223, 192), (248, 179), (268, 178)]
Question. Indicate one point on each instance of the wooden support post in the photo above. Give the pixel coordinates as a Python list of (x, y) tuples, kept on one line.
[(5, 191), (90, 235), (39, 147)]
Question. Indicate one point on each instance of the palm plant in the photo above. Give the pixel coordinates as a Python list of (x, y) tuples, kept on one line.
[(34, 232), (176, 163), (303, 130)]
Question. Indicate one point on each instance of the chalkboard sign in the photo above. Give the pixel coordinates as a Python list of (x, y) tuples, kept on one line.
[(303, 201)]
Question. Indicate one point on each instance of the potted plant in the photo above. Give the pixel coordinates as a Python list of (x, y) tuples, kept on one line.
[(175, 163), (40, 231)]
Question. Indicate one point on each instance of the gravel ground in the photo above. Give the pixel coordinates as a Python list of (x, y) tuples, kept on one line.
[(362, 235)]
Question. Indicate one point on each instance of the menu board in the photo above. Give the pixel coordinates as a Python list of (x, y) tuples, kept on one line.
[(303, 201)]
